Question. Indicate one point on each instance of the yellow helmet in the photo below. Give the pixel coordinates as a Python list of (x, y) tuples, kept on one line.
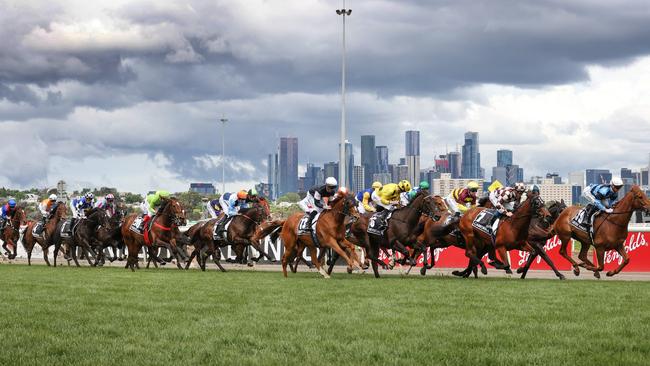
[(377, 185), (404, 185), (472, 186)]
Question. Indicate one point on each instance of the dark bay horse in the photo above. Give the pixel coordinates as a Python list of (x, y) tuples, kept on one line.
[(110, 236), (610, 232), (511, 233), (403, 228), (240, 234), (45, 239), (11, 232), (83, 236), (164, 230)]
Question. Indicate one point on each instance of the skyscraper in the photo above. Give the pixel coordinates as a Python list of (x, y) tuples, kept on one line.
[(273, 175), (368, 158), (288, 165), (312, 176), (358, 178), (454, 164), (504, 157), (471, 164), (382, 159), (597, 176), (412, 144), (331, 169)]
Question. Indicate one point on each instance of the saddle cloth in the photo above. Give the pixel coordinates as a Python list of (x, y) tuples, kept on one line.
[(484, 222), (376, 225), (224, 234), (580, 221), (137, 226), (66, 228), (302, 224), (37, 229)]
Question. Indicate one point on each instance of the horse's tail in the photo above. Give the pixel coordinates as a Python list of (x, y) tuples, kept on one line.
[(272, 229)]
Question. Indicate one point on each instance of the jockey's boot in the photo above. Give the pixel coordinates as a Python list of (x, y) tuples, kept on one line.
[(310, 220)]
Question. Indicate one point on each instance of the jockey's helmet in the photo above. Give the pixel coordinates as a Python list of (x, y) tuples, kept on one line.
[(376, 185), (242, 195), (331, 181), (12, 203), (404, 185), (472, 186), (53, 197), (424, 185)]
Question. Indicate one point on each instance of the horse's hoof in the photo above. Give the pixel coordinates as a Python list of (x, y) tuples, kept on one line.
[(458, 273), (576, 271), (484, 270), (508, 271), (561, 277), (610, 273), (520, 270), (597, 274), (423, 271)]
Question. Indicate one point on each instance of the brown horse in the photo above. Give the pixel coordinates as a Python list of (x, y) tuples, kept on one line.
[(11, 232), (610, 232), (240, 234), (83, 236), (512, 231), (164, 229), (45, 238), (330, 231)]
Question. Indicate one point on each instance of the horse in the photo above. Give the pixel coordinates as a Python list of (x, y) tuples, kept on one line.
[(540, 231), (110, 236), (163, 230), (29, 240), (240, 234), (11, 232), (512, 231), (610, 232), (83, 235), (403, 228)]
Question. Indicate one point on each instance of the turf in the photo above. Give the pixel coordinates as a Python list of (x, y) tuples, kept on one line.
[(91, 316)]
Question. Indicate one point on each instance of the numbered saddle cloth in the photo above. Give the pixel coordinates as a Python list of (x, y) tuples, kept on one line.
[(377, 224), (37, 230), (217, 234), (302, 224), (581, 220), (485, 221), (66, 228), (137, 226)]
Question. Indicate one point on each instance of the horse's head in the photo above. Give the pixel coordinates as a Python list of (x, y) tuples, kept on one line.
[(97, 217), (174, 210), (265, 204), (346, 205), (19, 217), (60, 210), (640, 199), (439, 204), (556, 208)]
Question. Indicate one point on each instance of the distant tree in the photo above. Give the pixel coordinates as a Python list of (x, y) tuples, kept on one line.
[(291, 197), (132, 198)]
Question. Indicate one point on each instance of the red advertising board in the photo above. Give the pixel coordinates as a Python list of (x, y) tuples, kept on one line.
[(637, 246)]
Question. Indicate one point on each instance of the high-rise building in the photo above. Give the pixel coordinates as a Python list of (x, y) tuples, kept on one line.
[(331, 169), (512, 175), (454, 164), (349, 166), (504, 157), (368, 158), (273, 175), (442, 164), (626, 173), (520, 174), (382, 159), (644, 177), (358, 178), (383, 178), (312, 175), (551, 191), (576, 192), (288, 165), (555, 176), (445, 184), (203, 188), (500, 173), (471, 163), (597, 176), (577, 179), (412, 152), (399, 172)]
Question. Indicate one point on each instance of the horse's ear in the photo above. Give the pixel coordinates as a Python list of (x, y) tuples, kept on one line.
[(562, 201)]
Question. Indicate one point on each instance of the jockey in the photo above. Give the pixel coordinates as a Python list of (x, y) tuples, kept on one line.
[(153, 202), (45, 207), (236, 202), (602, 196), (462, 199), (405, 189), (423, 186), (107, 203), (317, 199), (214, 208), (7, 213), (252, 195), (504, 199), (364, 198), (79, 205), (388, 196)]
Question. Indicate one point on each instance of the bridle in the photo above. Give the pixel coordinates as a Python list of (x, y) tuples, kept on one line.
[(347, 204)]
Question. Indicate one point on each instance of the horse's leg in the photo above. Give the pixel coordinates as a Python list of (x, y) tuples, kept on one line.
[(563, 252), (503, 253), (335, 246), (335, 257), (583, 256), (621, 251), (425, 262), (524, 270), (192, 255), (600, 256), (316, 262), (546, 258), (216, 258), (402, 249)]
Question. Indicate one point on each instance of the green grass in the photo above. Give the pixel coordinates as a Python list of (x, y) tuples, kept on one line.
[(93, 316)]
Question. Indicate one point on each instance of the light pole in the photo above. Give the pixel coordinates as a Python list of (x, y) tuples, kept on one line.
[(223, 154), (344, 12)]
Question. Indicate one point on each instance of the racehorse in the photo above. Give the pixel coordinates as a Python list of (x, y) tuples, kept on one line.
[(403, 227), (83, 235), (11, 232), (540, 231), (512, 231), (609, 232), (45, 240), (110, 236), (163, 230), (240, 234)]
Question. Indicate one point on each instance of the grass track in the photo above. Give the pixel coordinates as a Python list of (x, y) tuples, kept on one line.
[(91, 316)]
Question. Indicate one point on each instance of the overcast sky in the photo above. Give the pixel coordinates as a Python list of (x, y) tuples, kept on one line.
[(129, 93)]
